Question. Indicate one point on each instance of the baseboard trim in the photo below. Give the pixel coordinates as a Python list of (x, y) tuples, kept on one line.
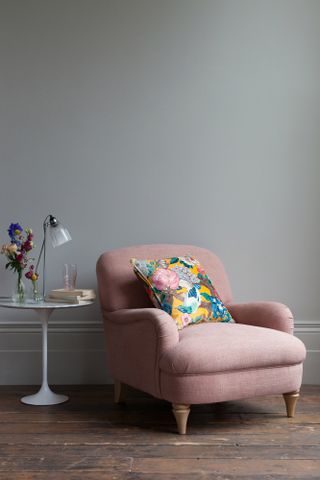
[(307, 326), (56, 326)]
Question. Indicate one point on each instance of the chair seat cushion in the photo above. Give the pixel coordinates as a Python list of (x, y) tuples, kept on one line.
[(216, 347)]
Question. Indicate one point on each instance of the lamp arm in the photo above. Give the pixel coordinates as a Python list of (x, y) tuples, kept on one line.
[(44, 261), (43, 251), (45, 224), (39, 258)]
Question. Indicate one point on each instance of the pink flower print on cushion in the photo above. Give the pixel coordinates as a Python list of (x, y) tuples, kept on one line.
[(201, 270), (185, 320), (165, 279)]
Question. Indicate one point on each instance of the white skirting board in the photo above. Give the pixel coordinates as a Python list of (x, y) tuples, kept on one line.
[(309, 332), (77, 353)]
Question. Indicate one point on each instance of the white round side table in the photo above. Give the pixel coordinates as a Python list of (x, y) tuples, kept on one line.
[(45, 396)]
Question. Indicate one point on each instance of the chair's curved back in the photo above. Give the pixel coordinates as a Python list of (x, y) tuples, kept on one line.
[(119, 288)]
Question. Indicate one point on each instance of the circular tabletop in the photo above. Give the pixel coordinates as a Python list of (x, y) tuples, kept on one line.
[(9, 303)]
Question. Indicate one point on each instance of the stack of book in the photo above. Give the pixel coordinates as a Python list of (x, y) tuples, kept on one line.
[(60, 295)]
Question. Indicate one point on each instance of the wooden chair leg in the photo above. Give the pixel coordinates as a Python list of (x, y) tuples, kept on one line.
[(119, 392), (181, 413), (291, 402)]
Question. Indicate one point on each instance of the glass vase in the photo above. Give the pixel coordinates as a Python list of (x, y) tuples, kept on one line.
[(19, 294), (35, 292)]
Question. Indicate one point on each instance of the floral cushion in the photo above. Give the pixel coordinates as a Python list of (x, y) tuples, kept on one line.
[(181, 287)]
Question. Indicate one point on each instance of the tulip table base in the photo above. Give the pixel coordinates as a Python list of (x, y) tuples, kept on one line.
[(45, 396)]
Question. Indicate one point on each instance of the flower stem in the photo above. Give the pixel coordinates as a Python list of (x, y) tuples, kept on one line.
[(20, 288)]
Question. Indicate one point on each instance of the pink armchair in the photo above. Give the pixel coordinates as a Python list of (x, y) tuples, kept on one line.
[(203, 363)]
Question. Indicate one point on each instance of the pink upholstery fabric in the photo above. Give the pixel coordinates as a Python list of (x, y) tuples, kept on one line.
[(218, 347), (220, 387), (119, 288), (136, 339), (263, 314)]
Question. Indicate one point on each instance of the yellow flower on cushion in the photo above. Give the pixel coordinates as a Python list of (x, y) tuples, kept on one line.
[(203, 312), (204, 289)]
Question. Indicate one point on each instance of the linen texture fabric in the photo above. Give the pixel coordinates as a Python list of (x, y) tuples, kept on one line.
[(181, 287)]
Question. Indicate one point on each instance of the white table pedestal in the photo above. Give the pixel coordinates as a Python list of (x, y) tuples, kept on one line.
[(45, 396)]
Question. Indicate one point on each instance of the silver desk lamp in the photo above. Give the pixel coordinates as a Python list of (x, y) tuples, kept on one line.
[(59, 235)]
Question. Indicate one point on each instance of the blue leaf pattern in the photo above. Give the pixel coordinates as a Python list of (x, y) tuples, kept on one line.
[(192, 292)]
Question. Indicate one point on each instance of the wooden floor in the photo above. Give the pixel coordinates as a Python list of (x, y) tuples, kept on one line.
[(91, 438)]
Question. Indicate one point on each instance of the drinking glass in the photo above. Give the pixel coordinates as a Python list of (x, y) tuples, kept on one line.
[(69, 276)]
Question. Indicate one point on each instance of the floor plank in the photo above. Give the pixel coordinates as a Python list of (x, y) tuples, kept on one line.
[(228, 467), (302, 452)]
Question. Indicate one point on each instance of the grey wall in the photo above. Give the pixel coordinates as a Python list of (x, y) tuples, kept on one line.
[(141, 121)]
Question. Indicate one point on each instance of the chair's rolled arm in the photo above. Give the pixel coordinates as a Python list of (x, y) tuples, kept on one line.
[(163, 324), (136, 339), (263, 314)]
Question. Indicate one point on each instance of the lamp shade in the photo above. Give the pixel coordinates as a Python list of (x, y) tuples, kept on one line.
[(59, 234)]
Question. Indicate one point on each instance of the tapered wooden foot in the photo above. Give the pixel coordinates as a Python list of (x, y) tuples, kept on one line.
[(119, 392), (181, 413), (291, 402)]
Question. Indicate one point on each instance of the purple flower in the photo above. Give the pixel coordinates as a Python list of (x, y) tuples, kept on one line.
[(19, 258), (29, 274), (14, 230), (26, 246)]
